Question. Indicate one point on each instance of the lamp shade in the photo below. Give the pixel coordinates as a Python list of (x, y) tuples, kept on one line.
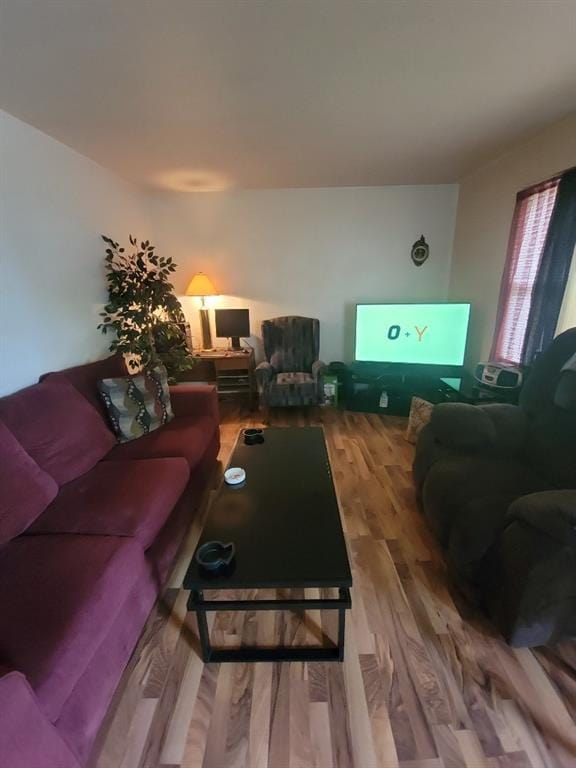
[(201, 285)]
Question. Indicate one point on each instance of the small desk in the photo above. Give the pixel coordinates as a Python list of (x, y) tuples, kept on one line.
[(232, 371)]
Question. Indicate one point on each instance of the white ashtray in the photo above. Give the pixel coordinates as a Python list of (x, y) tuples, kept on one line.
[(234, 475)]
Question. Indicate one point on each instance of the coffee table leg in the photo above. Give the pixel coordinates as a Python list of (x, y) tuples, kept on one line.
[(201, 607), (202, 627), (341, 626)]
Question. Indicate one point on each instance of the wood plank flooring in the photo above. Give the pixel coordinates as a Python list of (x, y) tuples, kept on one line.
[(426, 682)]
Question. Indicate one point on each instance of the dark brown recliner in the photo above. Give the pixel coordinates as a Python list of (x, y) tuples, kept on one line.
[(497, 484)]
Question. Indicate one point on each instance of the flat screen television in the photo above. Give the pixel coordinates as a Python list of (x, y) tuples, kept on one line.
[(427, 336)]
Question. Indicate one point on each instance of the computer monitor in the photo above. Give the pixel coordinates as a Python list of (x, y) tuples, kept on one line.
[(233, 324)]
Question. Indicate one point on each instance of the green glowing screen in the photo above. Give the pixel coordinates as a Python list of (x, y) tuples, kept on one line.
[(429, 334)]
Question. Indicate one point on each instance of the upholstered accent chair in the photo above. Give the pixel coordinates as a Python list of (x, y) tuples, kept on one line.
[(292, 373)]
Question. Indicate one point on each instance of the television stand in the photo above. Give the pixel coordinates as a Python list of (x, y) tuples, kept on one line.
[(373, 390)]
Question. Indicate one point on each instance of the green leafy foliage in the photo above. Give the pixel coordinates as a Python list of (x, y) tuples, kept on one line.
[(142, 310)]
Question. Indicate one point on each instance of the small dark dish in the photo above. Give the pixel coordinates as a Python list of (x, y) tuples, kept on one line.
[(215, 556), (253, 436)]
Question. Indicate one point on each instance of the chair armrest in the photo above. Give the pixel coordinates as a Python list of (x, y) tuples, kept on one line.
[(530, 573), (264, 374), (195, 400), (496, 427), (429, 450), (550, 512), (318, 369), (530, 585), (27, 737)]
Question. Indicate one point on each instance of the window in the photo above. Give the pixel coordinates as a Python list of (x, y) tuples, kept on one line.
[(532, 215)]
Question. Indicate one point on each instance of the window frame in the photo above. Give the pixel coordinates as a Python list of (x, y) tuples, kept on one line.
[(521, 270)]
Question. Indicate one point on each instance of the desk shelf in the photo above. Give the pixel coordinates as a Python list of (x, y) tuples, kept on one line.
[(231, 372)]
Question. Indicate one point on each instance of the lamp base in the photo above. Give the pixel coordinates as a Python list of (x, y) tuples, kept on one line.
[(205, 326)]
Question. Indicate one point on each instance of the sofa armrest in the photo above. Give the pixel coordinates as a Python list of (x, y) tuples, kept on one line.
[(27, 737), (264, 375), (497, 427), (429, 450), (195, 400), (549, 512)]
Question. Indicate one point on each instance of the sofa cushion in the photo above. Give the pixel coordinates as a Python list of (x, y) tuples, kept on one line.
[(565, 395), (84, 377), (26, 489), (83, 712), (60, 596), (537, 393), (61, 431), (186, 436), (551, 446), (462, 426), (118, 498), (454, 482), (296, 388)]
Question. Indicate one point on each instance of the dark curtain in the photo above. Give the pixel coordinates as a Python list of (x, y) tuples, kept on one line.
[(550, 284)]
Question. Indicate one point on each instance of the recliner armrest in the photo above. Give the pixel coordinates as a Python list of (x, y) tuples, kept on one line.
[(264, 374), (27, 737), (498, 427), (551, 512), (318, 369)]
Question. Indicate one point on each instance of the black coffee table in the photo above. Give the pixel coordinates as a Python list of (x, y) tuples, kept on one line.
[(285, 525)]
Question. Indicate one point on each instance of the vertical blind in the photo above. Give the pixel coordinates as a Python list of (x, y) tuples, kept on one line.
[(527, 238)]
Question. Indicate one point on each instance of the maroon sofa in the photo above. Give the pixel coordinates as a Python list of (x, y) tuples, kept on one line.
[(88, 532)]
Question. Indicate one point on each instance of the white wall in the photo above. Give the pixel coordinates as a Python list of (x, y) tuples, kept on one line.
[(54, 204), (314, 252), (486, 204)]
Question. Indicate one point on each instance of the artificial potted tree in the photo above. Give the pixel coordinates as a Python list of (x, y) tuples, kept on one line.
[(142, 308)]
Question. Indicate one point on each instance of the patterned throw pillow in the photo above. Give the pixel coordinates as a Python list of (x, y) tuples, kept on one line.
[(420, 412), (159, 376), (137, 405)]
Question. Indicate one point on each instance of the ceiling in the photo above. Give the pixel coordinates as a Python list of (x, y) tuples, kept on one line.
[(209, 94)]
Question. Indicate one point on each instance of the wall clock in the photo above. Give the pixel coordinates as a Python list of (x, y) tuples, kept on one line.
[(420, 251)]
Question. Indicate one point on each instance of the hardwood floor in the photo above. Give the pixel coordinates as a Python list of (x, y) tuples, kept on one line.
[(426, 681)]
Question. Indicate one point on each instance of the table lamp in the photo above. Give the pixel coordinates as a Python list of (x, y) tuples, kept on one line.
[(202, 286)]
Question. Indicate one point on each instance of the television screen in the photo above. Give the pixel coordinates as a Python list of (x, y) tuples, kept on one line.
[(425, 334)]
